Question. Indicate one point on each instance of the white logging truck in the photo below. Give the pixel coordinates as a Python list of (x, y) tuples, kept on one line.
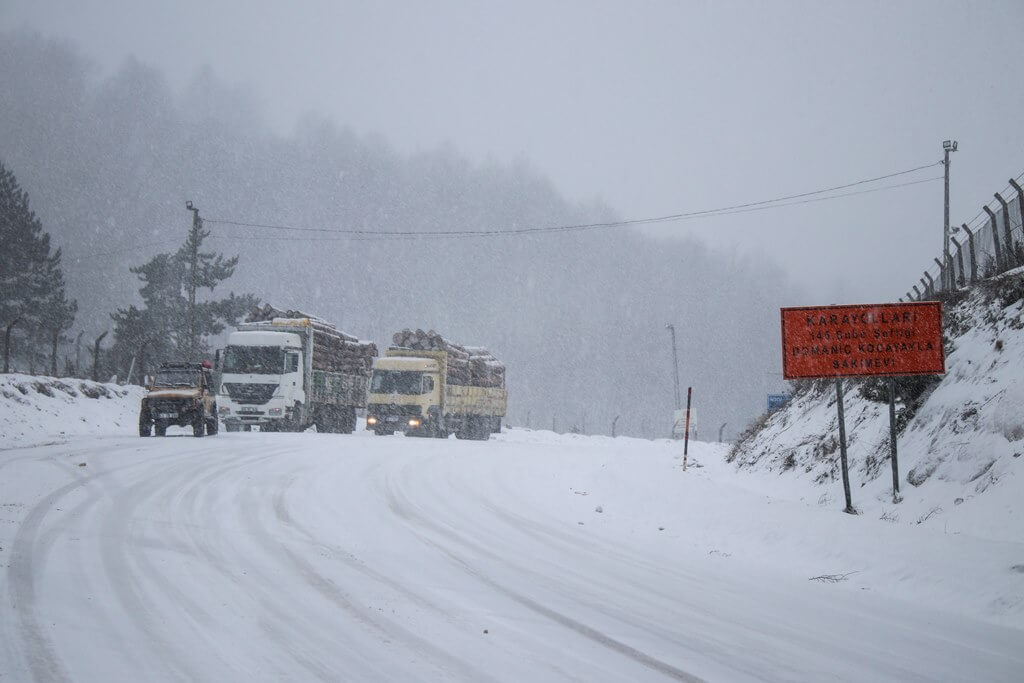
[(284, 370), (427, 386)]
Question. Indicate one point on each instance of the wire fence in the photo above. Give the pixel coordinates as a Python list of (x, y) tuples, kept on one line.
[(991, 244)]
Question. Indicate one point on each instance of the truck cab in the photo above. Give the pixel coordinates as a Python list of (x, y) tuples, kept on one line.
[(262, 380), (405, 396)]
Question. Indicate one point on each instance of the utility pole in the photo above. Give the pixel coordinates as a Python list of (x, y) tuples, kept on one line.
[(675, 362), (197, 226), (947, 146)]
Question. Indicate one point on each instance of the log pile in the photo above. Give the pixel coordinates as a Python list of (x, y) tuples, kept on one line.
[(333, 350), (467, 365)]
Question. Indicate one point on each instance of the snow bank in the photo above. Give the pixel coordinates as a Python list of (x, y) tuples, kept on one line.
[(960, 443), (36, 410)]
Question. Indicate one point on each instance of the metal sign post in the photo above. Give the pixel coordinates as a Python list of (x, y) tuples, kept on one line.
[(892, 441), (842, 447)]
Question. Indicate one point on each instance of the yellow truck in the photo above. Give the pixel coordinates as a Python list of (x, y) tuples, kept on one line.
[(427, 393)]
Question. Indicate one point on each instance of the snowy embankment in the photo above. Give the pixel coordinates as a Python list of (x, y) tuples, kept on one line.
[(960, 444), (36, 410)]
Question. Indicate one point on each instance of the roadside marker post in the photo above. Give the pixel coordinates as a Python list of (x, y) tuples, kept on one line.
[(686, 436)]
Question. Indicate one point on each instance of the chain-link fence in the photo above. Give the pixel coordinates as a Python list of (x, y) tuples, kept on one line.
[(992, 243)]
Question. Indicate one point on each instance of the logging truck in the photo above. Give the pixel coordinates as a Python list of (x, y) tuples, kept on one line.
[(425, 386), (287, 371)]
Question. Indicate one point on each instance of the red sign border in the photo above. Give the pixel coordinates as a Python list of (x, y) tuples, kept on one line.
[(785, 356)]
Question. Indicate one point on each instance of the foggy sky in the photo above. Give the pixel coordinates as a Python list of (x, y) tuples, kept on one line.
[(655, 107)]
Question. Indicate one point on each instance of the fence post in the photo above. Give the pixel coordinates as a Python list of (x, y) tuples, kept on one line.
[(1020, 203), (917, 292), (944, 278), (96, 357), (910, 297), (960, 281), (1011, 257), (970, 248), (930, 285), (995, 238)]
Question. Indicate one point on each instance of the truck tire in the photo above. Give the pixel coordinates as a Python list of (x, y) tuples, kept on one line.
[(211, 425), (348, 421), (232, 427), (495, 425), (198, 425), (145, 425), (160, 428), (481, 428)]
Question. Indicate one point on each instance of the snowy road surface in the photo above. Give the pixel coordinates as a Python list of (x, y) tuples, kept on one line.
[(532, 557)]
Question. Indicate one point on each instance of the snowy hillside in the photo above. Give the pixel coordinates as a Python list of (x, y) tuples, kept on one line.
[(35, 410), (960, 441)]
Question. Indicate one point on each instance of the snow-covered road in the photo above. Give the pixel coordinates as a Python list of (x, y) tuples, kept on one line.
[(531, 557)]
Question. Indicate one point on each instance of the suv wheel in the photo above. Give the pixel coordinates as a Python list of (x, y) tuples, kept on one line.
[(198, 425)]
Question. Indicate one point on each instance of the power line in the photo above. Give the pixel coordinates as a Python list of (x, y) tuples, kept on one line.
[(366, 236), (766, 203)]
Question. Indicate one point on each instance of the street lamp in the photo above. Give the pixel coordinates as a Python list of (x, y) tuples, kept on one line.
[(947, 146)]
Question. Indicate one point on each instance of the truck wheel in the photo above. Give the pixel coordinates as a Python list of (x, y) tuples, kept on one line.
[(348, 420), (481, 428), (211, 425), (232, 427), (496, 425), (160, 428), (145, 425), (198, 425)]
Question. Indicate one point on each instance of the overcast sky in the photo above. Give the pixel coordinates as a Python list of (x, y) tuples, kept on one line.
[(654, 107)]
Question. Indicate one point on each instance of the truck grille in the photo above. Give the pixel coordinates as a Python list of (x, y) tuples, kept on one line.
[(385, 409), (250, 393), (166, 405)]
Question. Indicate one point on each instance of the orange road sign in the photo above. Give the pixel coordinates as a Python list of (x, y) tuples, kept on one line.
[(863, 340)]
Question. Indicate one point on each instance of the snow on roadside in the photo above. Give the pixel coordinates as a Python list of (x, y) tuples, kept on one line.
[(960, 454), (37, 410)]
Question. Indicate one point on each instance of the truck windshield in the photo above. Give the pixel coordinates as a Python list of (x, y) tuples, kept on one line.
[(176, 377), (396, 382), (258, 360)]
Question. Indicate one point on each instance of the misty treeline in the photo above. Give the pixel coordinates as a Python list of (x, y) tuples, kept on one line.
[(34, 304), (578, 317)]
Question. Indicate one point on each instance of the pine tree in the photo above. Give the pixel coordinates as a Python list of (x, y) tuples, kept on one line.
[(162, 329), (32, 289)]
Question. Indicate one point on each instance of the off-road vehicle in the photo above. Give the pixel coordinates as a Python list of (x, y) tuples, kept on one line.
[(181, 394)]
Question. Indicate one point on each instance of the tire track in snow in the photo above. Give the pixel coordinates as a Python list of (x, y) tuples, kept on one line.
[(303, 644), (27, 565), (330, 590), (403, 508)]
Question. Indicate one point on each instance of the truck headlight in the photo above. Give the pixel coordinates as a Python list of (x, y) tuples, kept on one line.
[(414, 422), (371, 420), (274, 411)]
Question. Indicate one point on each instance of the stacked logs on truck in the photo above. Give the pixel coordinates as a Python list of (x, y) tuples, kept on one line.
[(333, 350), (467, 365)]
